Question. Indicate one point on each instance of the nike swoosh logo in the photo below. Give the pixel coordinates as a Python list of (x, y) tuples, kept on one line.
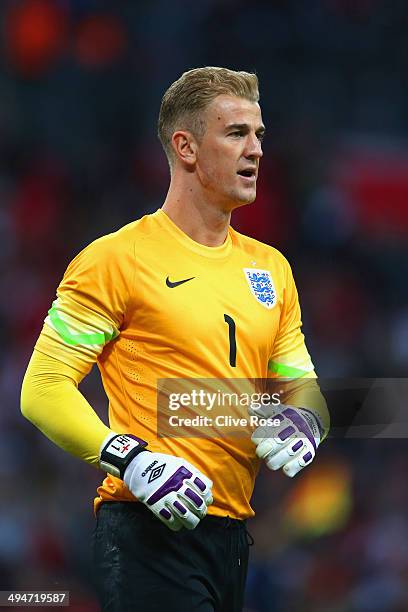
[(177, 283)]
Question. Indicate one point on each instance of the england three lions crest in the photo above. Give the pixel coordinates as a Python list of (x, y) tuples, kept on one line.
[(261, 284)]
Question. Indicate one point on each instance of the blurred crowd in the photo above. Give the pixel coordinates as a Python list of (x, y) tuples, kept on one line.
[(81, 83)]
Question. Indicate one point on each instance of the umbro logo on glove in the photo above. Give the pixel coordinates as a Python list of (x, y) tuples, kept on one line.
[(157, 472), (176, 491), (149, 467)]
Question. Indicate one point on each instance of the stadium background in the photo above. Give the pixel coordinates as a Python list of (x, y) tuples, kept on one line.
[(81, 83)]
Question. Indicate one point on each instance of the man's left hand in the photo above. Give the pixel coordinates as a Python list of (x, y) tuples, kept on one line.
[(292, 444)]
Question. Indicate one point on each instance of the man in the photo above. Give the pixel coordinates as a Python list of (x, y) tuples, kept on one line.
[(178, 294)]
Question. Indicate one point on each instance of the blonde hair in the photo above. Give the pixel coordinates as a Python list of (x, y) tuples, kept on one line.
[(185, 100)]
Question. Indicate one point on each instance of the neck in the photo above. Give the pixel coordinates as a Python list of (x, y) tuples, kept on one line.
[(202, 220)]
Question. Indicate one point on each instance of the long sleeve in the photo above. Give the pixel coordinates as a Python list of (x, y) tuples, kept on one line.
[(51, 400), (290, 362), (85, 317)]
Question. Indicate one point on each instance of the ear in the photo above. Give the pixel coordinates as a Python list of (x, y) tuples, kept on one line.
[(185, 147)]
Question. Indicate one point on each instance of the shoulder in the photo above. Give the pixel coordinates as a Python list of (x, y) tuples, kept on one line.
[(259, 250), (121, 243)]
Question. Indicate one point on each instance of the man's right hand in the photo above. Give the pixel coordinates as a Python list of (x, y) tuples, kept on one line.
[(173, 489)]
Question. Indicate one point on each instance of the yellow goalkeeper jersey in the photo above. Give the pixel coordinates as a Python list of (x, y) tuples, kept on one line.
[(149, 303)]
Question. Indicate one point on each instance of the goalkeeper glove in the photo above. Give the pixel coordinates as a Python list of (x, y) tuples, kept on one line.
[(173, 489), (292, 444)]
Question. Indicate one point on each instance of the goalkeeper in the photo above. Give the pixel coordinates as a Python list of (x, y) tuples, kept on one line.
[(178, 294)]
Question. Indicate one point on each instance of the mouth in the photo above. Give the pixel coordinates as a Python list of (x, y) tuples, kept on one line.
[(248, 175)]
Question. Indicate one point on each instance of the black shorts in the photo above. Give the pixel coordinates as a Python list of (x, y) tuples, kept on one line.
[(140, 564)]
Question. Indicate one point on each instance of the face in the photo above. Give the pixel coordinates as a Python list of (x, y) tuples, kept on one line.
[(227, 158)]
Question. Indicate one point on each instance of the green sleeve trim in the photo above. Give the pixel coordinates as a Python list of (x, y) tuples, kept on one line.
[(61, 327), (285, 370)]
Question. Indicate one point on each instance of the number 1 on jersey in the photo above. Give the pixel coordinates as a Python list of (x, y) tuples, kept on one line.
[(232, 340)]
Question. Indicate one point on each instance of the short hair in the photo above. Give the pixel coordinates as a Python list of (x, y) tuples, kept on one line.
[(185, 100)]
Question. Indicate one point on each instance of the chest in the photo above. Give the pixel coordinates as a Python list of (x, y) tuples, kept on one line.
[(195, 304)]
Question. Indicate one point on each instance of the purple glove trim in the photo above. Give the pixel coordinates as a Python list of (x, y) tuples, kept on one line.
[(307, 457), (285, 433), (194, 497), (296, 446), (179, 507), (141, 442), (199, 483), (174, 483), (165, 513), (300, 423)]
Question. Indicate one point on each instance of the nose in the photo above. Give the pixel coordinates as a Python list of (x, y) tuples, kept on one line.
[(254, 147)]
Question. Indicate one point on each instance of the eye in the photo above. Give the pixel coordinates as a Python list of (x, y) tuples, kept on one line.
[(237, 134), (260, 136)]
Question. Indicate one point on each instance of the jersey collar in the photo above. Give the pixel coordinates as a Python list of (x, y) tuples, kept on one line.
[(218, 252)]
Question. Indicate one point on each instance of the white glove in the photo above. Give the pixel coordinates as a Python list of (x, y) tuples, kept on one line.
[(292, 444), (173, 489)]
